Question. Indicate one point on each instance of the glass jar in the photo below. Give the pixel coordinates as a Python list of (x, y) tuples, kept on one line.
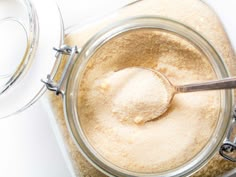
[(137, 15), (183, 19), (129, 25)]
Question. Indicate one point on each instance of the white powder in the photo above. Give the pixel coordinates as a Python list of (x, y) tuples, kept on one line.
[(137, 95), (110, 96)]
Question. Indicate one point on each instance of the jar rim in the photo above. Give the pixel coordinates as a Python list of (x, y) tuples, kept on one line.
[(70, 101)]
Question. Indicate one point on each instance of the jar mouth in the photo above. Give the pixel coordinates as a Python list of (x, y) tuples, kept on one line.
[(148, 22), (21, 26)]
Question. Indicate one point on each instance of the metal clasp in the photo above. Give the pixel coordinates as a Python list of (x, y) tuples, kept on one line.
[(59, 87), (229, 145)]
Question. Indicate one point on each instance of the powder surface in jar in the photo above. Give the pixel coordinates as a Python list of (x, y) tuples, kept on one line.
[(159, 145), (137, 94)]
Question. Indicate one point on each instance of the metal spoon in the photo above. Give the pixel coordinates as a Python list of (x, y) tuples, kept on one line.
[(226, 83)]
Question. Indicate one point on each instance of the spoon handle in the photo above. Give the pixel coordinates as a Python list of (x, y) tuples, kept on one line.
[(227, 83)]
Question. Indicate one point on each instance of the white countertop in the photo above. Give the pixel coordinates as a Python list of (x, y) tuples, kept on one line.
[(28, 145)]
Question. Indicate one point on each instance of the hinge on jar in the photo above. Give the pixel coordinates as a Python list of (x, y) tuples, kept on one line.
[(228, 147), (58, 87)]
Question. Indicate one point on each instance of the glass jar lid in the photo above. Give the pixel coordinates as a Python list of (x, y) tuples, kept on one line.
[(27, 36)]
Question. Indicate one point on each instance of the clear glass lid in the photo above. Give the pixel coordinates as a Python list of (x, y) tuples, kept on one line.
[(27, 37)]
